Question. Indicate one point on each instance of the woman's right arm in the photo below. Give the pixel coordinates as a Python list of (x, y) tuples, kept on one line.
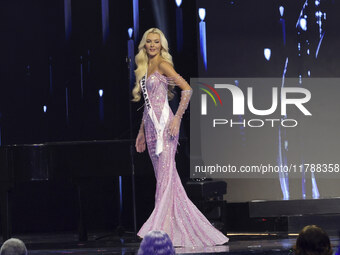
[(140, 140)]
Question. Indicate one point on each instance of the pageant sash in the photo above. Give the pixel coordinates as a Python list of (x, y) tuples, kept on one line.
[(159, 126)]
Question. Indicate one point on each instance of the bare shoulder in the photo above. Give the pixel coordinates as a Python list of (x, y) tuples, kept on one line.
[(166, 68), (164, 65)]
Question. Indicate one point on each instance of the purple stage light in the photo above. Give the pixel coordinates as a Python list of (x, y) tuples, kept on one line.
[(203, 40), (105, 20), (68, 19)]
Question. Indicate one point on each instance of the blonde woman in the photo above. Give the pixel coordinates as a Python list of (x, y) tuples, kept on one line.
[(174, 213)]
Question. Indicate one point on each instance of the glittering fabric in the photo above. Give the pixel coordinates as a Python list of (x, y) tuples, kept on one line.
[(174, 213)]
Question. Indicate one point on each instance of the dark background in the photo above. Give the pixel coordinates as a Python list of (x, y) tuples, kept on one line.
[(239, 30), (33, 38), (33, 41)]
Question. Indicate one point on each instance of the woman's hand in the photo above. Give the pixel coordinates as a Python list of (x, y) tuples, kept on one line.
[(140, 142), (174, 126)]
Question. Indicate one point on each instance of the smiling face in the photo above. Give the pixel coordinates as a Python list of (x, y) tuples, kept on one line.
[(153, 44)]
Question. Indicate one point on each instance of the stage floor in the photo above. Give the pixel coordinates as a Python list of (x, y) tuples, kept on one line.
[(240, 243)]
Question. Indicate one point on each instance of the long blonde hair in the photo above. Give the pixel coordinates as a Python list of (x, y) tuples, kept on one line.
[(141, 60)]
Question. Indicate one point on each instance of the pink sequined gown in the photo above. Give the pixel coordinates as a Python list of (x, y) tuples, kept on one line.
[(174, 213)]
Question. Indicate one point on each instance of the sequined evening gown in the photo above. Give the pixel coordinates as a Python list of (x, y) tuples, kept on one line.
[(174, 213)]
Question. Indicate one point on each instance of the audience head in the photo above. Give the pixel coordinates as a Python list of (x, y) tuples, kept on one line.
[(156, 243), (13, 246), (312, 240)]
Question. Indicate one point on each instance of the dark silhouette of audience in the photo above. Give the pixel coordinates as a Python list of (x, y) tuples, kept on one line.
[(313, 240), (156, 243)]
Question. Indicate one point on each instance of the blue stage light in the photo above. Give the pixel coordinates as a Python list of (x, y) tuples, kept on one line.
[(267, 53), (201, 13), (135, 6), (105, 20), (178, 3), (45, 108), (303, 24), (130, 31), (68, 18), (101, 92), (281, 9), (315, 189), (318, 48)]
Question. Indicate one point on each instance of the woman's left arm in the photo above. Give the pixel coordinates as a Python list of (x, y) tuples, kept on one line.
[(186, 93)]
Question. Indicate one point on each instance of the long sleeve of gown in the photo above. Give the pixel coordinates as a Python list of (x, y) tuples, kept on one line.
[(185, 94), (183, 104)]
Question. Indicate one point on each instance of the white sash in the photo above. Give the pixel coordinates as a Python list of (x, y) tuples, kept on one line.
[(159, 126)]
